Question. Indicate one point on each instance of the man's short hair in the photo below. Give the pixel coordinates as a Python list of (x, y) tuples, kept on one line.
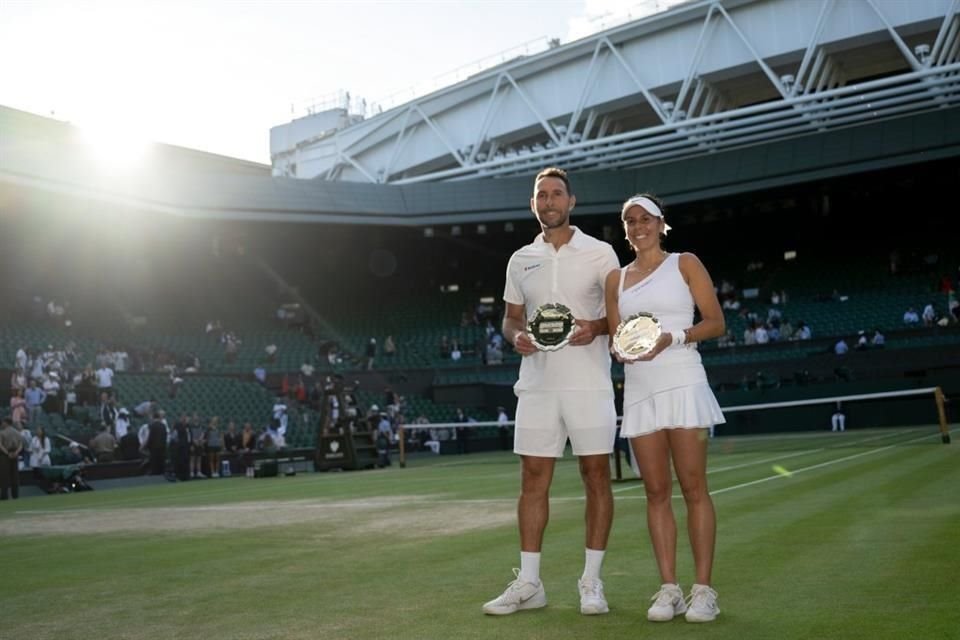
[(555, 172)]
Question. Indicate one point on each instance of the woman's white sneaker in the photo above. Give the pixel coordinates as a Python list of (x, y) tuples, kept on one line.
[(667, 603), (703, 604)]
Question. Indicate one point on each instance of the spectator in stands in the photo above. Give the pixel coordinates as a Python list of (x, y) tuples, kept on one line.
[(103, 445), (18, 407), (494, 354), (51, 390), (300, 392), (841, 347), (40, 449), (773, 331), (929, 315), (750, 334), (862, 342), (803, 331), (910, 317), (668, 405), (281, 416), (122, 424), (231, 346), (543, 389), (107, 410), (878, 340), (260, 374), (444, 347), (786, 329), (174, 382), (271, 351), (953, 305), (761, 335), (389, 347), (105, 380), (371, 353), (20, 359), (307, 370), (145, 408), (18, 380), (455, 352), (86, 388), (76, 454), (10, 447)]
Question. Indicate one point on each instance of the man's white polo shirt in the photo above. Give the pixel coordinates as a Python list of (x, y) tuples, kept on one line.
[(574, 276)]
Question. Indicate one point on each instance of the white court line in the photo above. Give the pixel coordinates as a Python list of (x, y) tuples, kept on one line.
[(822, 464), (790, 455)]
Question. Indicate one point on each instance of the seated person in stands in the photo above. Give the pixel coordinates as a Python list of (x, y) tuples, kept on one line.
[(75, 455), (145, 408), (103, 445)]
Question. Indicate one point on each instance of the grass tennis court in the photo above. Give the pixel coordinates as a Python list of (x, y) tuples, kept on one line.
[(859, 541)]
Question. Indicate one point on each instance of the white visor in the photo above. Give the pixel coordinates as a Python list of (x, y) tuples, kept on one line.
[(649, 205)]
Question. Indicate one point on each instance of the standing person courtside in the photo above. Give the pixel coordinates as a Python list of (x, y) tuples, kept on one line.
[(11, 444), (561, 394), (668, 404)]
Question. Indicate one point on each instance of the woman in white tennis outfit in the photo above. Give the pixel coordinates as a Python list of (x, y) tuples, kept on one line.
[(668, 404)]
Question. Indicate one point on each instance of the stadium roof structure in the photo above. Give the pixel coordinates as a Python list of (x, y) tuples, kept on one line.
[(802, 91)]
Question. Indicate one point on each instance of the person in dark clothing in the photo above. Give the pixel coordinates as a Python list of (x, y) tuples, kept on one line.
[(130, 446), (181, 454), (10, 446), (157, 445)]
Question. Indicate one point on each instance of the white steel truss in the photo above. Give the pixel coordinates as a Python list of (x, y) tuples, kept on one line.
[(643, 121)]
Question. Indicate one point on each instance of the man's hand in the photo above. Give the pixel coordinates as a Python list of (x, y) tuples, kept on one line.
[(524, 345), (585, 332)]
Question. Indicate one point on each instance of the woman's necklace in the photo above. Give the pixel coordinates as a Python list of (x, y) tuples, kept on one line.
[(643, 272)]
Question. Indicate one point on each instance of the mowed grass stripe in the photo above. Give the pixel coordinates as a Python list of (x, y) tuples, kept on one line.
[(814, 545)]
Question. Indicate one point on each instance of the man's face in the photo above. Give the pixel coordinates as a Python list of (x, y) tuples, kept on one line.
[(551, 202)]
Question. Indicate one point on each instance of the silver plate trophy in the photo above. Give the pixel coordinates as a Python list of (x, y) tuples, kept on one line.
[(551, 326), (636, 336)]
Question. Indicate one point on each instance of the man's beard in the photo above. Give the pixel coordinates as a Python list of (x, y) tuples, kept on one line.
[(557, 222)]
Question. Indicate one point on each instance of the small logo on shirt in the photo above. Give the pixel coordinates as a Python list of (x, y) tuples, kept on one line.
[(533, 266)]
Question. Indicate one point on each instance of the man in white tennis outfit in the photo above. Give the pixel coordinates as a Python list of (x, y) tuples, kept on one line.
[(562, 393)]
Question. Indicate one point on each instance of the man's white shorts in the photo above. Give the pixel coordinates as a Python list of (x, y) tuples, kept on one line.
[(545, 419)]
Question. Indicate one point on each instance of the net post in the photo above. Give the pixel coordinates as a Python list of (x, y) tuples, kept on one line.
[(403, 445), (944, 431)]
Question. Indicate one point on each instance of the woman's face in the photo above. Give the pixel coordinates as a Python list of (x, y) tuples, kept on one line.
[(643, 229)]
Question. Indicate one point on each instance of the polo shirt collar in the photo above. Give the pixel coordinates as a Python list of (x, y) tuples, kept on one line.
[(577, 240)]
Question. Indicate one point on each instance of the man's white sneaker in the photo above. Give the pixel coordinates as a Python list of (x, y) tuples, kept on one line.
[(667, 603), (519, 595), (592, 601), (703, 604)]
